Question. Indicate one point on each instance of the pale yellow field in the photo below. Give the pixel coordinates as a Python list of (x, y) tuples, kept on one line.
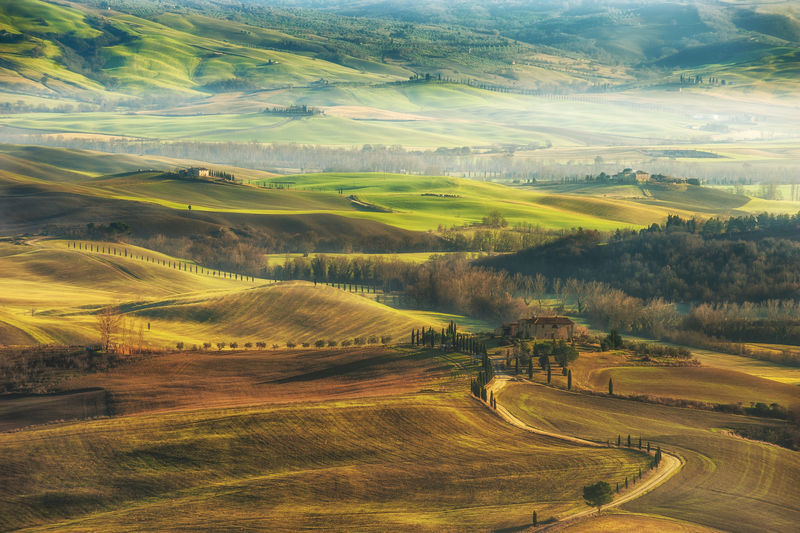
[(50, 293)]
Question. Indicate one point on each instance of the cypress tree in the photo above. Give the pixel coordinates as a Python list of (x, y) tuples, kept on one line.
[(516, 364), (619, 441), (640, 442), (626, 482), (629, 440), (610, 387), (535, 520), (569, 380), (648, 447), (549, 374), (530, 368)]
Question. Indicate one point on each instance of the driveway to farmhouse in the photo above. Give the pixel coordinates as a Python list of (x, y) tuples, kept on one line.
[(670, 464)]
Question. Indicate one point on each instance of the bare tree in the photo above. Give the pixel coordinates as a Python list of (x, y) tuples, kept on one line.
[(108, 321), (539, 288)]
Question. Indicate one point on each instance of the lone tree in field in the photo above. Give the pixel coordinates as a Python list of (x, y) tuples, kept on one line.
[(610, 387), (108, 321), (613, 341), (598, 495), (569, 379)]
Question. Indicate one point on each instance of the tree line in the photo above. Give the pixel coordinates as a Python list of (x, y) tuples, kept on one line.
[(494, 163), (741, 259)]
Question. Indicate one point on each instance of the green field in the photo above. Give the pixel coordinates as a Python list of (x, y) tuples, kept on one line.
[(727, 482), (416, 203)]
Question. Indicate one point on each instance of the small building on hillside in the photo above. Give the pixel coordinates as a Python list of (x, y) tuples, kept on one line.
[(542, 327), (642, 176), (199, 172)]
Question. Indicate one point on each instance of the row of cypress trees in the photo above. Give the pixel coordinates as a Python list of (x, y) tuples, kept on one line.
[(179, 265), (458, 341)]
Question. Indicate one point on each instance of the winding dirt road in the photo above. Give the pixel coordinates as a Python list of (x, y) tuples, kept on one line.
[(670, 464)]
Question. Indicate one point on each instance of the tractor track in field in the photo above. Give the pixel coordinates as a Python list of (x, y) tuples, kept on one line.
[(670, 463)]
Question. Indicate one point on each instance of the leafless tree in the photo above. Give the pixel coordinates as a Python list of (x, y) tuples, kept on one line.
[(108, 321)]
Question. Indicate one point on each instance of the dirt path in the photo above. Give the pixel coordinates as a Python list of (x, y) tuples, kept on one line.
[(670, 464)]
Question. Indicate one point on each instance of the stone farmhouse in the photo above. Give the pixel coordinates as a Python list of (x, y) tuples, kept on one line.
[(542, 327)]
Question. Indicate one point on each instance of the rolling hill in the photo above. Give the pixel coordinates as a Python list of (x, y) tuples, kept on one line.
[(146, 47), (51, 294), (727, 482)]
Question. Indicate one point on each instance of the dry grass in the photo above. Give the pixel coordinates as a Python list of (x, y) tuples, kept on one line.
[(709, 384), (632, 523), (50, 294), (419, 460), (728, 483)]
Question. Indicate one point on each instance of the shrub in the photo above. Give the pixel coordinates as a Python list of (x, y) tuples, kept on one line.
[(234, 345), (386, 339), (373, 340), (332, 343), (320, 344), (179, 346), (206, 345), (359, 341), (290, 344), (275, 346), (306, 344), (347, 342), (248, 345), (220, 345)]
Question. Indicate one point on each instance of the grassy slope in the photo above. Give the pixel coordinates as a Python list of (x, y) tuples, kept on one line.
[(288, 311), (620, 522), (94, 174), (692, 383), (432, 116), (64, 287), (549, 208), (750, 366), (68, 165), (175, 54), (420, 461), (79, 172), (730, 384), (727, 482)]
